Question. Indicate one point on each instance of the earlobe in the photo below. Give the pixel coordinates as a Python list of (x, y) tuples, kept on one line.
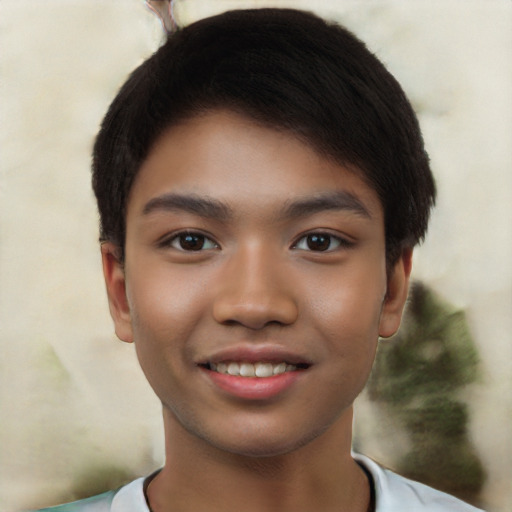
[(115, 281), (396, 295)]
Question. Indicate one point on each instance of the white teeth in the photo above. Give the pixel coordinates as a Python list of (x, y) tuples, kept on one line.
[(279, 368), (244, 369), (263, 369), (234, 369), (247, 370)]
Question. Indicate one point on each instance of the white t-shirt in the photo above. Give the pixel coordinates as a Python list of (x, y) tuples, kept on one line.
[(393, 493)]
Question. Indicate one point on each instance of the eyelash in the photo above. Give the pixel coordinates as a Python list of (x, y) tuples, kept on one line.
[(304, 240)]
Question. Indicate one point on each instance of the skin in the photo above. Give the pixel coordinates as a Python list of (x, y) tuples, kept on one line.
[(260, 284)]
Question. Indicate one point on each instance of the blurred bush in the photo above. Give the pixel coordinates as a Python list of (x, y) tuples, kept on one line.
[(419, 375)]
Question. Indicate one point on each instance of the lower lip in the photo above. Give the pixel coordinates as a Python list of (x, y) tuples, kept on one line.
[(254, 388)]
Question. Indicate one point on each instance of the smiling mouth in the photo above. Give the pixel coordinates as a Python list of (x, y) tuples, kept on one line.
[(259, 369)]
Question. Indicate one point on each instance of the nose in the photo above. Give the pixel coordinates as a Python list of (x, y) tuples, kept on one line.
[(255, 291)]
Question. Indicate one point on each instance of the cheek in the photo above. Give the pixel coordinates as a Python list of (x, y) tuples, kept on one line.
[(164, 313), (159, 296), (352, 301), (165, 309), (346, 314)]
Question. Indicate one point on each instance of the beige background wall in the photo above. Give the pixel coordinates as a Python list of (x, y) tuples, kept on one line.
[(72, 400)]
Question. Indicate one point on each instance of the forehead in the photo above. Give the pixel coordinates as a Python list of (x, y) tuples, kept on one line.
[(242, 164)]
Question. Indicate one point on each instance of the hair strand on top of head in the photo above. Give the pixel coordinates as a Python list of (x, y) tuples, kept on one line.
[(164, 9)]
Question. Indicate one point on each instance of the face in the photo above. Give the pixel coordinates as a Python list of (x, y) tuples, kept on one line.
[(254, 284)]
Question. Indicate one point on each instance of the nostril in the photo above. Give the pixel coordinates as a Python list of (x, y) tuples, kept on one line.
[(231, 323)]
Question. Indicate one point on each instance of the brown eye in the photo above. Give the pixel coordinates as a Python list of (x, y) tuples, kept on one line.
[(318, 242), (192, 242), (322, 242)]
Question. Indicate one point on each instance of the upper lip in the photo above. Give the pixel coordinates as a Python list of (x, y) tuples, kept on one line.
[(257, 353)]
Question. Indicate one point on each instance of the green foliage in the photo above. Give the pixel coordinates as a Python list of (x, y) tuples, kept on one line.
[(433, 353), (418, 376)]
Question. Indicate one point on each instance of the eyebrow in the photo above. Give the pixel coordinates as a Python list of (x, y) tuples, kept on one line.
[(191, 203), (211, 208), (338, 200)]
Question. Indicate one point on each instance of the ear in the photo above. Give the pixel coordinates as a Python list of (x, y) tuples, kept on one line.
[(396, 295), (113, 272)]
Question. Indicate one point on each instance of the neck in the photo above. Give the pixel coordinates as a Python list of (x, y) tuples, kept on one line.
[(318, 476)]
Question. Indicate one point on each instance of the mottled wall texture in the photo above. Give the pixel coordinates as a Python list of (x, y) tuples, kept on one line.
[(76, 414)]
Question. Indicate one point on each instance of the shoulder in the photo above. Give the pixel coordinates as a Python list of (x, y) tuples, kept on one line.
[(129, 498), (395, 493)]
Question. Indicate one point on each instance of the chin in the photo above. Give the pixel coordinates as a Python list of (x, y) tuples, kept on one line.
[(267, 443)]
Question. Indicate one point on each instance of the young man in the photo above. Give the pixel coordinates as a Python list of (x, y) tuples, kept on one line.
[(261, 182)]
